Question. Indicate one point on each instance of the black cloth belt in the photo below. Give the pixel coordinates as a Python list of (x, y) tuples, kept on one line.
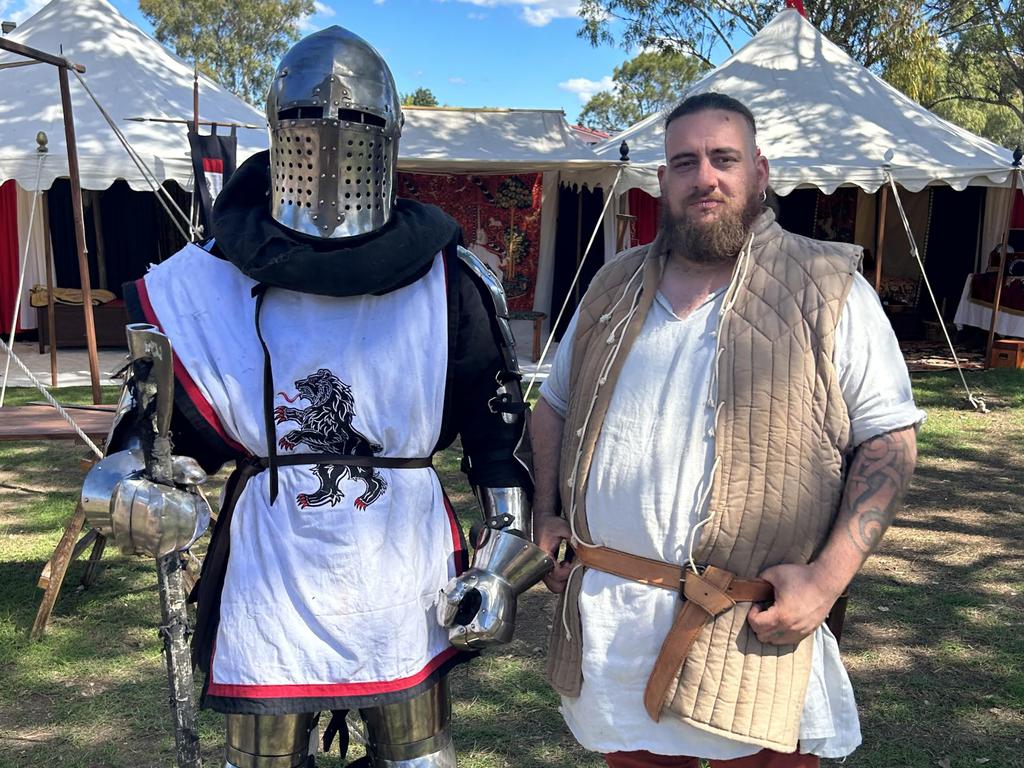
[(305, 459)]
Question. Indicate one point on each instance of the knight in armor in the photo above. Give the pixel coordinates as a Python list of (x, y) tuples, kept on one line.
[(329, 341)]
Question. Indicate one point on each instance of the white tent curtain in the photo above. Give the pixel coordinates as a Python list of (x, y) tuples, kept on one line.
[(993, 225), (546, 260), (35, 265)]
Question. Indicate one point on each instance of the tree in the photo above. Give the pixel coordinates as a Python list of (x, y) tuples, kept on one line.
[(651, 81), (874, 33), (985, 76), (421, 97), (235, 42)]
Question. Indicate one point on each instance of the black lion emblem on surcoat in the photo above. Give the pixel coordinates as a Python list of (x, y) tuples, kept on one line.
[(325, 426)]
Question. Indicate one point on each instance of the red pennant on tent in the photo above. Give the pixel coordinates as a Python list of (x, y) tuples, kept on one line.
[(798, 5)]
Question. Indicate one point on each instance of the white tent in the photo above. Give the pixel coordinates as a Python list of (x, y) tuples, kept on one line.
[(825, 121), (131, 75), (456, 140)]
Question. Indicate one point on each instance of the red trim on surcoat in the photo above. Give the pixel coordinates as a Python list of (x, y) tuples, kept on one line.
[(201, 404), (328, 689)]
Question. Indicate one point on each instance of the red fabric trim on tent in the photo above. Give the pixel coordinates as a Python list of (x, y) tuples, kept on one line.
[(647, 210), (9, 256)]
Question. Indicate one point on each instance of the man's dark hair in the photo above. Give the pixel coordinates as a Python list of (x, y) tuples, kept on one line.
[(711, 100)]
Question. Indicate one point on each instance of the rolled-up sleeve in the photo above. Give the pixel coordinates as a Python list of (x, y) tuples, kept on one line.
[(872, 373), (555, 388)]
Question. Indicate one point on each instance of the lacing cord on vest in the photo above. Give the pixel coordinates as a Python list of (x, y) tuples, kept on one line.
[(739, 275), (614, 340)]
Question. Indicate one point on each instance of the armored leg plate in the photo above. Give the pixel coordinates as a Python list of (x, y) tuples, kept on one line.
[(413, 733), (269, 741)]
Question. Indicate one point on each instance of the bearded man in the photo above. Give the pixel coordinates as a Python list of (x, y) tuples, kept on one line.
[(729, 428)]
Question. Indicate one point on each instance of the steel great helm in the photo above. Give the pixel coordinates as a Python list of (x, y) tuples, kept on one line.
[(335, 121)]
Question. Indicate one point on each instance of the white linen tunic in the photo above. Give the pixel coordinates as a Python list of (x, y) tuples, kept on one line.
[(650, 466), (335, 599)]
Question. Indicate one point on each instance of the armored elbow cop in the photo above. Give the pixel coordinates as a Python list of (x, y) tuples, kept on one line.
[(140, 516), (479, 607)]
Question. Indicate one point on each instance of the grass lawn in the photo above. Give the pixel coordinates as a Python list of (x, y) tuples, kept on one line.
[(933, 639)]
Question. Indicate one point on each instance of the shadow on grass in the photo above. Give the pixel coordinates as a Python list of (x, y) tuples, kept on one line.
[(933, 636)]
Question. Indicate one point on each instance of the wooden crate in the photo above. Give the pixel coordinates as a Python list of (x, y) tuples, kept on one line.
[(1007, 354)]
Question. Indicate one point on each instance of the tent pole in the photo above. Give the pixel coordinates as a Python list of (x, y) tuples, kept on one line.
[(83, 257), (1002, 258), (880, 239), (101, 251), (50, 298)]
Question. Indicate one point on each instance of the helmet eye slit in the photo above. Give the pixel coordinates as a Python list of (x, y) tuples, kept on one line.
[(365, 118), (301, 113)]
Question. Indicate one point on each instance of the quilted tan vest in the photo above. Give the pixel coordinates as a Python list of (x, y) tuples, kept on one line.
[(780, 439)]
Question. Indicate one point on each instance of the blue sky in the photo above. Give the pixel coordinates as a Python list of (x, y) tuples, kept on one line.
[(470, 53)]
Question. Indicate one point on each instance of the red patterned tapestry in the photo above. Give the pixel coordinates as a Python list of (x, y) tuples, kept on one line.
[(8, 253), (500, 220)]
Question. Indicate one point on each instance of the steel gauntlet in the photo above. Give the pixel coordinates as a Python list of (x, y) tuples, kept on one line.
[(479, 607), (140, 516)]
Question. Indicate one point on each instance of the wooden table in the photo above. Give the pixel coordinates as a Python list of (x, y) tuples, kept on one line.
[(42, 422)]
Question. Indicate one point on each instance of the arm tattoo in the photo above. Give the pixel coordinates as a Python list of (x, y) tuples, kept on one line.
[(879, 474)]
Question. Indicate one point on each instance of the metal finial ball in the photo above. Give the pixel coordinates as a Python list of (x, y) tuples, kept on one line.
[(42, 141), (1018, 153), (623, 151)]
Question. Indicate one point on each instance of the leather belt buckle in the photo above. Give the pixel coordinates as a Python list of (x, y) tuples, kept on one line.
[(687, 569)]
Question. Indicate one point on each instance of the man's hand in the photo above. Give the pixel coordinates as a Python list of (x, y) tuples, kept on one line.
[(549, 531), (803, 598)]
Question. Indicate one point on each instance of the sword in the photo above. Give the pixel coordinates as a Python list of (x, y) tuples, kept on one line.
[(153, 368)]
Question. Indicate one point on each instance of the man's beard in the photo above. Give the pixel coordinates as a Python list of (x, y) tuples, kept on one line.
[(713, 242)]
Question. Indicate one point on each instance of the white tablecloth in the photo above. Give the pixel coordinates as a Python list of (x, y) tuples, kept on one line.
[(973, 312)]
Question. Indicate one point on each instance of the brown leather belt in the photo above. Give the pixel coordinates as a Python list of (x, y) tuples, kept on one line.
[(709, 593)]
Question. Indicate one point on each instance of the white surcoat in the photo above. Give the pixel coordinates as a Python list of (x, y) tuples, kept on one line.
[(329, 592)]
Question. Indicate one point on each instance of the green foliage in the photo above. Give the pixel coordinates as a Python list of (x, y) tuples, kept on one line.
[(235, 42), (645, 84), (421, 97), (987, 68)]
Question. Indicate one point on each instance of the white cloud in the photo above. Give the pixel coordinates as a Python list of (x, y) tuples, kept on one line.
[(536, 13), (457, 80), (474, 16), (585, 88), (18, 12), (317, 19), (378, 2)]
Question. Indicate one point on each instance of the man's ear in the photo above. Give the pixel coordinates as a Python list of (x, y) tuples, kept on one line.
[(761, 166)]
